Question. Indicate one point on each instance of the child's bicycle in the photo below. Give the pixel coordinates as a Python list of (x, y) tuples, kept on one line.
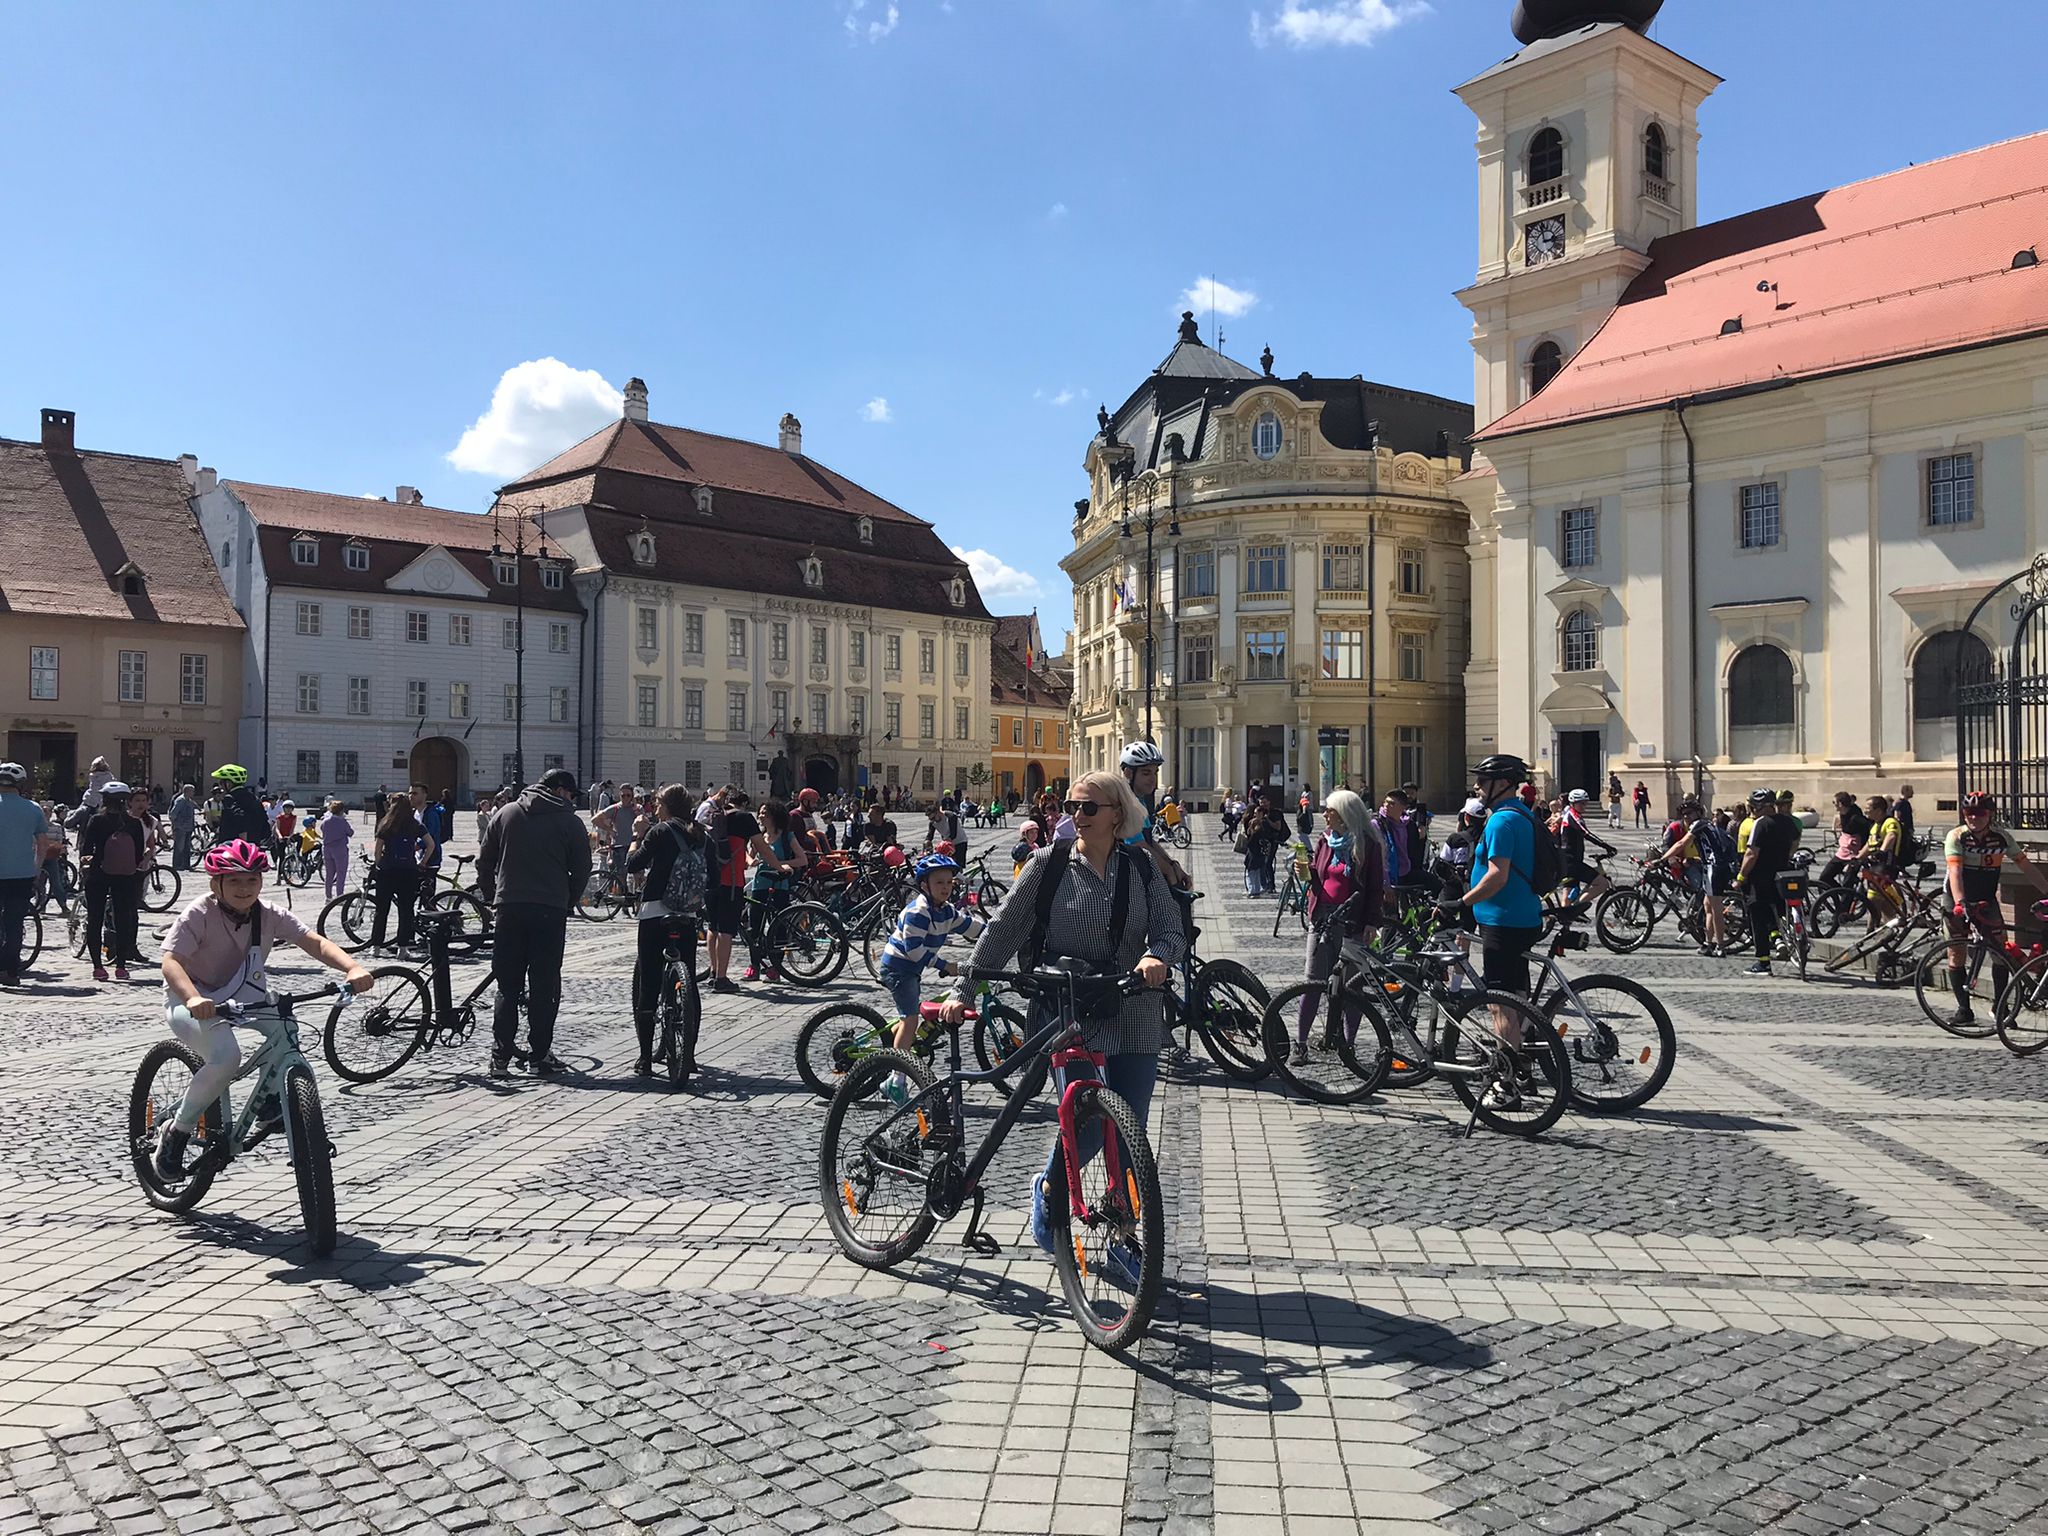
[(371, 1036), (836, 1039), (284, 1095), (888, 1175)]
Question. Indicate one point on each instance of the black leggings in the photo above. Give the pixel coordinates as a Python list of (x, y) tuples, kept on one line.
[(402, 886), (648, 963), (113, 905)]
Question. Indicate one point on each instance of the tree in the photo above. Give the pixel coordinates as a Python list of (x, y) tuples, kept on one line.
[(978, 775)]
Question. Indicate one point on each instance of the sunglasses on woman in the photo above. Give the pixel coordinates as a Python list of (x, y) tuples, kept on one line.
[(1082, 807)]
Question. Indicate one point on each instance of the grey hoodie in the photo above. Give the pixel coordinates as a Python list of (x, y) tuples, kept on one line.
[(536, 851)]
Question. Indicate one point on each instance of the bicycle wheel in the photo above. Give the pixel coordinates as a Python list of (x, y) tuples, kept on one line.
[(373, 1034), (809, 939), (346, 920), (1937, 998), (874, 1164), (472, 925), (833, 1040), (1181, 837), (681, 1008), (312, 1158), (1620, 1039), (160, 1083), (1801, 940), (1110, 1267), (74, 930), (31, 939), (1229, 1009), (160, 885), (2023, 1011), (294, 869), (999, 1033), (1833, 908), (1521, 1090), (1624, 919), (1329, 1066)]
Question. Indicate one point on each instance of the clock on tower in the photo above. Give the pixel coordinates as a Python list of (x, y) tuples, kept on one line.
[(1544, 240)]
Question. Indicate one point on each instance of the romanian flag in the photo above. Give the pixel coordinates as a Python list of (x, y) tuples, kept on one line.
[(1027, 656), (1116, 592)]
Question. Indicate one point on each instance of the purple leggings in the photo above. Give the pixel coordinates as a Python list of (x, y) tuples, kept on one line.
[(336, 872)]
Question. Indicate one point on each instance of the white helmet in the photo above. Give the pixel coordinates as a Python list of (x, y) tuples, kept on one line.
[(13, 773), (1141, 754), (1576, 797), (114, 789)]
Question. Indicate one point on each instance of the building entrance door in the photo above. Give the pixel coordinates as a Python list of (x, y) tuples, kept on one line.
[(1579, 763), (51, 758), (437, 765), (1265, 755), (822, 774)]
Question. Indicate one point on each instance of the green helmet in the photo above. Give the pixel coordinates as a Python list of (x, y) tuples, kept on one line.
[(233, 775)]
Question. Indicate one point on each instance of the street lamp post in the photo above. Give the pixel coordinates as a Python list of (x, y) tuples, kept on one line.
[(517, 555), (1175, 456)]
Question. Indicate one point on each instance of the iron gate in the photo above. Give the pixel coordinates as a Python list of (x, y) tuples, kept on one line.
[(2002, 710)]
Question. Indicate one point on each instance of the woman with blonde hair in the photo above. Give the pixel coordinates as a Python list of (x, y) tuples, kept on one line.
[(1096, 876)]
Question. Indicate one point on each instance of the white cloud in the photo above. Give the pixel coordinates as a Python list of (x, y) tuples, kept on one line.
[(877, 409), (1064, 397), (538, 409), (872, 27), (1056, 212), (1205, 294), (998, 582), (1334, 23)]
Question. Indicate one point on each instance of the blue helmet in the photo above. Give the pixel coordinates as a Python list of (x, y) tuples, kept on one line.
[(931, 864)]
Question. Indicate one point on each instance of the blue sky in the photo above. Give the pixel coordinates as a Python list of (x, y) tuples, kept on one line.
[(310, 243)]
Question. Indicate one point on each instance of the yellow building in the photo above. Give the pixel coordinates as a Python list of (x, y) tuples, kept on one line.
[(1028, 705), (117, 639)]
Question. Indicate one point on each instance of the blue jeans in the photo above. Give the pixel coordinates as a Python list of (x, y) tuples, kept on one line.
[(905, 986), (1131, 1076)]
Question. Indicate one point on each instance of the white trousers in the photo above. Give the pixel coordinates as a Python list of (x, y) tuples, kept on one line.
[(221, 1055)]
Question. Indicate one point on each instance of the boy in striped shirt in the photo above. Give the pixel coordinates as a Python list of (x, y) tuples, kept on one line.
[(928, 919)]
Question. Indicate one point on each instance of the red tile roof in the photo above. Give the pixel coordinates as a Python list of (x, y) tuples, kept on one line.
[(723, 463), (1008, 681), (69, 522), (1905, 265), (369, 517)]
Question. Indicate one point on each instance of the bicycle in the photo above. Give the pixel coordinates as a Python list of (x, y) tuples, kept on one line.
[(1795, 930), (400, 1014), (283, 1077), (160, 887), (350, 918), (681, 1008), (1294, 893), (838, 1037), (1625, 916), (887, 1175), (296, 864), (1497, 1080), (1931, 978), (1894, 945)]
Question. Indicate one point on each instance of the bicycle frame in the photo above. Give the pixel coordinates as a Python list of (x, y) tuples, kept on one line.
[(269, 1064)]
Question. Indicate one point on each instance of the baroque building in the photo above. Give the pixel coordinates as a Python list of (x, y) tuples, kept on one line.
[(1028, 702), (757, 618), (1270, 580), (1742, 484)]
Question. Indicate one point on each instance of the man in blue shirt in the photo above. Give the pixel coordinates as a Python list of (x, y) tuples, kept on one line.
[(24, 838), (1501, 897)]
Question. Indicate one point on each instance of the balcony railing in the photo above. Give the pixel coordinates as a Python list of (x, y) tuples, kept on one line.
[(1658, 190), (1544, 193)]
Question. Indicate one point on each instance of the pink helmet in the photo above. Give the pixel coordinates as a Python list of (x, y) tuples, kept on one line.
[(239, 857), (893, 856)]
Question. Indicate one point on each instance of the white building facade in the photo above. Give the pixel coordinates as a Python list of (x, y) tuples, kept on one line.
[(384, 644), (756, 618)]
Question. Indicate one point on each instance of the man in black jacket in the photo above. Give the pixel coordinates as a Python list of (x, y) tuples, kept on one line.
[(534, 862), (241, 813)]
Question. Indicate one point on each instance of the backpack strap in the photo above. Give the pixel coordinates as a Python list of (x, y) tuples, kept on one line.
[(1049, 877)]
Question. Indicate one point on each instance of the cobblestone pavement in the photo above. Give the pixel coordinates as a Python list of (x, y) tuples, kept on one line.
[(1803, 1292)]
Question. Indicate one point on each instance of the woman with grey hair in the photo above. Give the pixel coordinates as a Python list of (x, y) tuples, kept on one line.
[(1096, 876), (1348, 861)]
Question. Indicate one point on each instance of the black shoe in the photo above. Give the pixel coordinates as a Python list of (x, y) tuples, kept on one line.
[(1962, 1016), (170, 1155), (501, 1064), (548, 1065), (644, 1067), (1761, 968), (724, 984)]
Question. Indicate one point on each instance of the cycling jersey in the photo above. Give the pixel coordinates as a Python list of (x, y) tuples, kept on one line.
[(1890, 831), (1982, 855)]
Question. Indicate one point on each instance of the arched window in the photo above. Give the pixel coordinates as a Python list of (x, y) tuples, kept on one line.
[(1580, 641), (1546, 157), (1654, 153), (1761, 718), (1266, 435), (1941, 668), (1544, 364)]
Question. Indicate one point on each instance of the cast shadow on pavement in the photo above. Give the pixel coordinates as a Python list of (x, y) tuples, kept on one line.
[(358, 1262)]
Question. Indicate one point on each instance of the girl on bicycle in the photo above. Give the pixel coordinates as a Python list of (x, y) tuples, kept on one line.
[(215, 954), (674, 834), (928, 919)]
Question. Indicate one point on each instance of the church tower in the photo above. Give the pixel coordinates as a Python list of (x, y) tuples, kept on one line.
[(1588, 151)]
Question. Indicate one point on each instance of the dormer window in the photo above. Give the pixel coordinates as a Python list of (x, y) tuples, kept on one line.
[(131, 578), (355, 555), (814, 571), (506, 572), (703, 497), (956, 590), (1266, 435), (305, 550), (867, 530), (643, 548), (551, 576)]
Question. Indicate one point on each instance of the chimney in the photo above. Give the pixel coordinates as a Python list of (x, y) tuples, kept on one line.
[(791, 438), (204, 482), (57, 432), (636, 399), (188, 469), (409, 497)]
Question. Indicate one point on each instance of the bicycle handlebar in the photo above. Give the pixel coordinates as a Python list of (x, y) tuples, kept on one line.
[(1046, 978)]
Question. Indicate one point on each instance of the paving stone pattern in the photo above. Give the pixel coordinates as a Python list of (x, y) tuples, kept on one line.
[(1959, 1069), (1616, 1430), (1590, 1176)]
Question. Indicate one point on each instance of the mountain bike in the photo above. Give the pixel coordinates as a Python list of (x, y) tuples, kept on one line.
[(1220, 1000), (1795, 926), (681, 1008), (404, 1013), (1406, 1011), (1625, 916), (160, 887), (1986, 942), (283, 1094), (838, 1037), (350, 919), (888, 1174)]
